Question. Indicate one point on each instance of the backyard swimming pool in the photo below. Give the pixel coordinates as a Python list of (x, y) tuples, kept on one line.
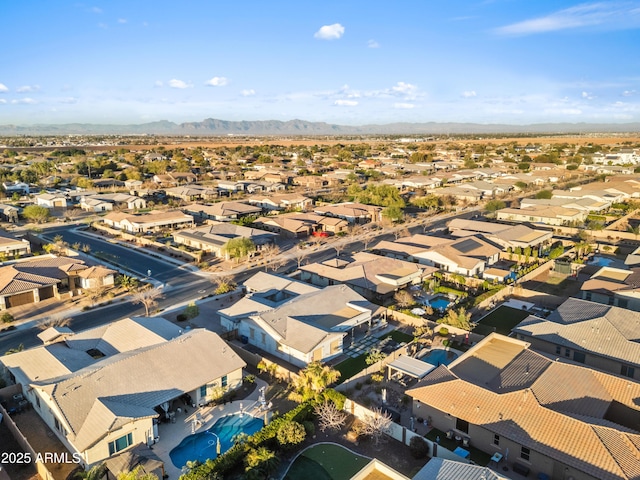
[(440, 302), (600, 261), (439, 356), (204, 445)]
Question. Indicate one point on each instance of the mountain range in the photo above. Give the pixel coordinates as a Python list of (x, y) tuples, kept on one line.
[(212, 127)]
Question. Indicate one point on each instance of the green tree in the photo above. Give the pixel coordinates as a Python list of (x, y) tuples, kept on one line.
[(36, 213), (97, 472), (260, 463), (291, 434), (634, 229), (191, 311), (375, 355), (17, 349), (137, 473), (493, 205), (313, 379), (126, 282), (239, 248), (393, 213), (544, 194)]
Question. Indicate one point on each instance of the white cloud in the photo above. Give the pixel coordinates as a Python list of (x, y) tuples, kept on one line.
[(175, 83), (248, 92), (24, 101), (2, 100), (629, 93), (404, 106), (587, 96), (373, 44), (158, 84), (407, 90), (122, 20), (345, 103), (3, 88), (469, 94), (603, 15), (97, 10), (330, 32), (28, 88), (218, 82)]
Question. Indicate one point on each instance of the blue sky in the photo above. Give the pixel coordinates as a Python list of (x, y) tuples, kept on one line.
[(346, 62)]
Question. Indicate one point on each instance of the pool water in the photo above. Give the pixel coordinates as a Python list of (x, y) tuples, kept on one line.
[(203, 445), (439, 357), (441, 303), (600, 261)]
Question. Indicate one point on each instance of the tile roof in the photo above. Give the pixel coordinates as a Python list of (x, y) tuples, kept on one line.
[(546, 409)]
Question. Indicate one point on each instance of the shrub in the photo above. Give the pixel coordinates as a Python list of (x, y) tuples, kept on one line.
[(334, 396), (418, 447), (181, 317), (290, 434), (6, 318), (309, 427), (443, 332)]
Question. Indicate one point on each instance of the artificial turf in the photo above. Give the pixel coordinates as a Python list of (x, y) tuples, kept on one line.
[(326, 462)]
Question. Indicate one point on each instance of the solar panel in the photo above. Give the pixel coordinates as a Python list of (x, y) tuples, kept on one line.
[(467, 245)]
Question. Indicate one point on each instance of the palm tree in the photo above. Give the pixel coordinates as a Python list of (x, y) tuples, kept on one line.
[(635, 230), (261, 463), (315, 378)]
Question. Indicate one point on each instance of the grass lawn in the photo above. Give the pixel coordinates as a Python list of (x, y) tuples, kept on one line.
[(501, 320), (398, 336), (326, 462), (351, 366)]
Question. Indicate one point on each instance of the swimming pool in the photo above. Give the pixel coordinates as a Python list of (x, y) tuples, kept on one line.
[(204, 445), (439, 356), (440, 302), (600, 261)]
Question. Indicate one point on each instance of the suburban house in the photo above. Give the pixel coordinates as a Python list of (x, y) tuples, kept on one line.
[(265, 291), (309, 327), (213, 237), (13, 247), (284, 201), (51, 200), (36, 279), (108, 389), (175, 178), (466, 256), (9, 213), (599, 336), (300, 225), (107, 201), (614, 286), (20, 188), (583, 203), (354, 213), (507, 236), (547, 215), (547, 417), (192, 193), (222, 211), (374, 277), (152, 221), (441, 469)]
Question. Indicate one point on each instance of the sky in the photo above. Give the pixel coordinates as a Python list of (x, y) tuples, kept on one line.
[(337, 61)]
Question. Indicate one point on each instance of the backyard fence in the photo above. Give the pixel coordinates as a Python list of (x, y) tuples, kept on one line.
[(400, 433)]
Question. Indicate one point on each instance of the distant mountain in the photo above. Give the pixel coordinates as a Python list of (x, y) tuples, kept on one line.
[(212, 126)]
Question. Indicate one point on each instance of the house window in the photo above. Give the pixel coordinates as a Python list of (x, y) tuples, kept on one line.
[(525, 453), (579, 357), (252, 333), (623, 302), (203, 391), (610, 300), (587, 296), (558, 350), (627, 371), (567, 352), (120, 444), (462, 425), (225, 381), (496, 440), (264, 338)]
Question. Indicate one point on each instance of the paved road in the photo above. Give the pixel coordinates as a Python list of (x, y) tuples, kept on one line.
[(136, 261), (182, 286)]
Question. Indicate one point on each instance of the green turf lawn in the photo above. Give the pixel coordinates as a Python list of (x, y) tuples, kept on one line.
[(502, 319), (398, 336), (351, 366), (326, 462)]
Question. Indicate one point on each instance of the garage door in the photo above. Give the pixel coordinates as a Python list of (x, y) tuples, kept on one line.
[(19, 299), (46, 292)]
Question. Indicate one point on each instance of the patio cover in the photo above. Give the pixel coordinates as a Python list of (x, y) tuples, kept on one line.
[(411, 366)]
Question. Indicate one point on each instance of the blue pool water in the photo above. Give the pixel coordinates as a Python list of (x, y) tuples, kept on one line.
[(600, 261), (203, 445), (441, 303), (439, 357)]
